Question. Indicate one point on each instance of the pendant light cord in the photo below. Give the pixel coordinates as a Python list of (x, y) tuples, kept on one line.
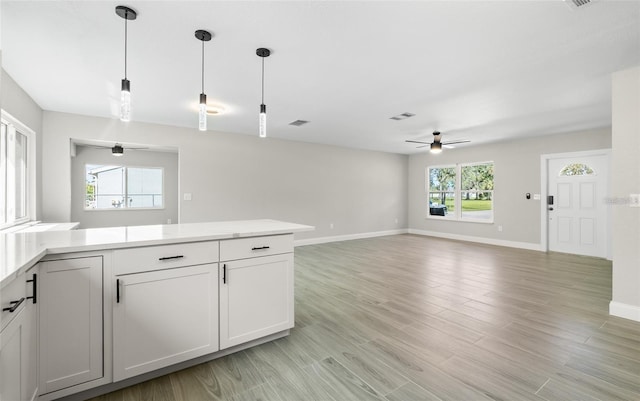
[(203, 66), (262, 80), (125, 43)]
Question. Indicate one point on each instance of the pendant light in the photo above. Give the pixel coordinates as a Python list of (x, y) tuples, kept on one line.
[(203, 36), (125, 94), (262, 52)]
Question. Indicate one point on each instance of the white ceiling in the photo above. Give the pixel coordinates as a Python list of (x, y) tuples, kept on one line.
[(478, 70)]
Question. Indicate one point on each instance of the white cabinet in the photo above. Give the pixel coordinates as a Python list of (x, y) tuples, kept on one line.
[(18, 347), (71, 322), (256, 293), (162, 317)]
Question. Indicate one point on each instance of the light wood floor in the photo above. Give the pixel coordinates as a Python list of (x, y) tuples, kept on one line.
[(417, 318)]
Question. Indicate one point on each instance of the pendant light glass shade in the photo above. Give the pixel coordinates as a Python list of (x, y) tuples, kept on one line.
[(125, 101), (125, 89), (202, 36), (436, 147), (202, 113), (263, 121), (262, 118)]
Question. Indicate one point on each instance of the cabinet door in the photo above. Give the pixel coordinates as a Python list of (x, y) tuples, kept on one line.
[(70, 302), (12, 345), (256, 298), (164, 317)]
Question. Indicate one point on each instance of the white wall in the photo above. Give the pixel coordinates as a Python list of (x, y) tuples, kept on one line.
[(123, 217), (517, 172), (626, 181), (233, 176), (21, 106)]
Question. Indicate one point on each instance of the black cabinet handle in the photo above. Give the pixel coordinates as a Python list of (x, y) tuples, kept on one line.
[(118, 291), (259, 248), (34, 280), (171, 257), (15, 306), (224, 273)]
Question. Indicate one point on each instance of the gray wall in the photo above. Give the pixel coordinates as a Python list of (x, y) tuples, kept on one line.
[(123, 217), (234, 177), (626, 181), (21, 106), (517, 171)]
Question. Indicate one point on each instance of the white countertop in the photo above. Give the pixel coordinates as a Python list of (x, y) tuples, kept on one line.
[(19, 251)]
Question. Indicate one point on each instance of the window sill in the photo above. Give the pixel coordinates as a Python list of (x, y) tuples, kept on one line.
[(440, 218), (123, 209)]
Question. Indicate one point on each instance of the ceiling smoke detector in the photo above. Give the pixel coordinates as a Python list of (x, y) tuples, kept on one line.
[(402, 116), (575, 4), (299, 123)]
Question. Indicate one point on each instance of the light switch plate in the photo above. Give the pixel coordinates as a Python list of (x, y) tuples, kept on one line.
[(186, 196), (634, 200), (536, 196)]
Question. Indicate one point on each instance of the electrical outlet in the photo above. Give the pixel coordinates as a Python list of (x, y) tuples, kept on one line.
[(634, 200), (500, 228), (396, 221), (168, 221), (331, 226), (187, 196)]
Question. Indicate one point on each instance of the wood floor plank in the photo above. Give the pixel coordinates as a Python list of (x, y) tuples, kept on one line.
[(341, 383), (413, 392)]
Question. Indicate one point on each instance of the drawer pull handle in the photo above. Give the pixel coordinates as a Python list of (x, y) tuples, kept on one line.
[(171, 257), (224, 273), (118, 291), (257, 248), (15, 306), (34, 280)]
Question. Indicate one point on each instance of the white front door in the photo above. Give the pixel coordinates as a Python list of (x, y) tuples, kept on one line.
[(577, 213)]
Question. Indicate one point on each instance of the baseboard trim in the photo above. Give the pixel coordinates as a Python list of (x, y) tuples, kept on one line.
[(481, 240), (631, 312), (348, 237)]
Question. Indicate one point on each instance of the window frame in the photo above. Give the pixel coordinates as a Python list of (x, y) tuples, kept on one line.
[(29, 175), (126, 167), (457, 212)]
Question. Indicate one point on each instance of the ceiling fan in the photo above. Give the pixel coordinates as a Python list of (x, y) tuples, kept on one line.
[(436, 145), (116, 150)]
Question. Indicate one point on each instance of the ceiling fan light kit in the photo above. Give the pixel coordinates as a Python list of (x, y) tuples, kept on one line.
[(117, 150)]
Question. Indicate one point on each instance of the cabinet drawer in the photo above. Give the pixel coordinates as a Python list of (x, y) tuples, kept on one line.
[(136, 260), (14, 292), (256, 246)]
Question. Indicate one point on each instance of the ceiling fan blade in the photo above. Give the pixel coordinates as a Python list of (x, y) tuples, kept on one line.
[(422, 146), (422, 142), (454, 142)]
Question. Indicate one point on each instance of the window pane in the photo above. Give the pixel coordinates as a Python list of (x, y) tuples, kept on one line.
[(144, 187), (104, 187), (441, 203), (477, 205), (477, 177), (442, 179), (20, 171), (3, 172)]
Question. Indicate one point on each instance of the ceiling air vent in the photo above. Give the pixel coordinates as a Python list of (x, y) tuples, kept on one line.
[(299, 123), (574, 4), (402, 116)]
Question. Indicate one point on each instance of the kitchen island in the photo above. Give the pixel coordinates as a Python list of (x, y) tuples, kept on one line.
[(121, 305)]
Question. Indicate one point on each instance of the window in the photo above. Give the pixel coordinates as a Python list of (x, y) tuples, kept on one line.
[(461, 192), (121, 187), (576, 169), (15, 172)]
